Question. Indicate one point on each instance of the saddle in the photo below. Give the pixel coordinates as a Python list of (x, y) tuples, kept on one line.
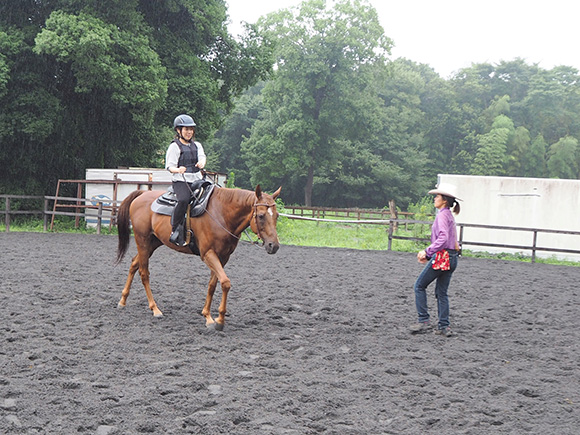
[(202, 190), (165, 204)]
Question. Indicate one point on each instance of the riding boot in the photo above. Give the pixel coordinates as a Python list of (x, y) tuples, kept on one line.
[(177, 233), (175, 237)]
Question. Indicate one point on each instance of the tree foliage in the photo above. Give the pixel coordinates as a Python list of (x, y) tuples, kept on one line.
[(334, 120), (374, 131), (562, 158), (324, 85), (97, 83)]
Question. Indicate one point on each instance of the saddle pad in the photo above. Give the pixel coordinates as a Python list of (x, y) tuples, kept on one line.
[(165, 204)]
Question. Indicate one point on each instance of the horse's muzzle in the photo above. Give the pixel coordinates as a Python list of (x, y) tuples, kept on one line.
[(271, 247)]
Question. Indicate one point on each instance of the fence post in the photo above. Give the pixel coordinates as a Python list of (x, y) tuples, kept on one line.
[(45, 214), (99, 216), (7, 216), (77, 210), (534, 246), (393, 211), (390, 234)]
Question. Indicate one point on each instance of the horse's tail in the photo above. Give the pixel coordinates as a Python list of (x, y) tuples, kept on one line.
[(123, 222)]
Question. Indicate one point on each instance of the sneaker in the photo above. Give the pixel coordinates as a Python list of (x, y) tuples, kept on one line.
[(420, 327), (445, 332)]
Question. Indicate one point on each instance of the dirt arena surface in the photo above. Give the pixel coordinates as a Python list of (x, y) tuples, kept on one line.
[(315, 342)]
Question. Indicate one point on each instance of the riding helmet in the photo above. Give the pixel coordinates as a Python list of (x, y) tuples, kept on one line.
[(183, 121)]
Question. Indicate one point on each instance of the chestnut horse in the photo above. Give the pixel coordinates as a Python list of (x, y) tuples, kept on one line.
[(216, 234)]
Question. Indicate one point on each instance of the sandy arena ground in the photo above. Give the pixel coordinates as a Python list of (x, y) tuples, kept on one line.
[(315, 342)]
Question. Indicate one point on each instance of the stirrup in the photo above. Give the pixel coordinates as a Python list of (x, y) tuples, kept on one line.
[(176, 238)]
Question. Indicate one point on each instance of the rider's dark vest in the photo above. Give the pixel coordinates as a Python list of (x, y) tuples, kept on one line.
[(187, 156)]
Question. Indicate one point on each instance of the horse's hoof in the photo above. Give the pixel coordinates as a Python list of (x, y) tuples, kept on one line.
[(214, 326), (158, 315), (120, 305)]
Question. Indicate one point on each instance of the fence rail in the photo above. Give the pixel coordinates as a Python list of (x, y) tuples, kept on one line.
[(358, 213), (392, 223), (49, 212)]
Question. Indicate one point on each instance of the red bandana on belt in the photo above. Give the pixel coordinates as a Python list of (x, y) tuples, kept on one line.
[(441, 261)]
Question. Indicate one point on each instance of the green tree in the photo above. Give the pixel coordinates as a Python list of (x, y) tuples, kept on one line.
[(553, 103), (534, 163), (227, 141), (512, 78), (491, 156), (518, 150), (98, 83), (562, 158), (112, 71), (474, 86), (321, 99), (401, 142), (444, 126)]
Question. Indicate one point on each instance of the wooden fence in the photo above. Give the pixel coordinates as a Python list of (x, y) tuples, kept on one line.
[(392, 224), (299, 213), (355, 213), (8, 211), (78, 204)]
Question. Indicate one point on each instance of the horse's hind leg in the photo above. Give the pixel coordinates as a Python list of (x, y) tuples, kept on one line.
[(127, 289), (145, 249), (206, 312), (144, 272)]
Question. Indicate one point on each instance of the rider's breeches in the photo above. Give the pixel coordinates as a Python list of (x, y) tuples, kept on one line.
[(183, 194)]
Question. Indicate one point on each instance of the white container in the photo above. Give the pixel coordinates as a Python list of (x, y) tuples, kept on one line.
[(540, 203), (108, 185)]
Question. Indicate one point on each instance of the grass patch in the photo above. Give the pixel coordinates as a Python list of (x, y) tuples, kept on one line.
[(62, 224), (341, 235), (376, 237), (520, 257), (307, 233)]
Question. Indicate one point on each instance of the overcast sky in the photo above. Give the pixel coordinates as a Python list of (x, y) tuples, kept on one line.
[(452, 34)]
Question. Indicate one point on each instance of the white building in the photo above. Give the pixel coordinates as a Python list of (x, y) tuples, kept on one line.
[(116, 184), (534, 203)]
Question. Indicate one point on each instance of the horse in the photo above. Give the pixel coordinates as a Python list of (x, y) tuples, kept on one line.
[(215, 234)]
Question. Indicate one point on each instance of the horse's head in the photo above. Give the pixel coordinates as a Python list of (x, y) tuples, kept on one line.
[(264, 220)]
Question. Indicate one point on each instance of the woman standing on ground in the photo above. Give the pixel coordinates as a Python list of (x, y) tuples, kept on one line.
[(441, 260)]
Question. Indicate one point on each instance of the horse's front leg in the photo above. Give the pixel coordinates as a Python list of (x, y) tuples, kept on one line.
[(127, 289), (217, 274)]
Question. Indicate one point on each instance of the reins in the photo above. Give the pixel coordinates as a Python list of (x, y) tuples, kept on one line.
[(255, 216), (232, 234)]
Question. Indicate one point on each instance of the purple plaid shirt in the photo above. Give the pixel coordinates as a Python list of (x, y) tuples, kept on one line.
[(443, 232)]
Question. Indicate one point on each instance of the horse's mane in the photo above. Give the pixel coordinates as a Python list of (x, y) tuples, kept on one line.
[(236, 195)]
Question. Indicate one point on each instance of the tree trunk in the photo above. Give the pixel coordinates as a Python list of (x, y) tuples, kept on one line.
[(308, 187)]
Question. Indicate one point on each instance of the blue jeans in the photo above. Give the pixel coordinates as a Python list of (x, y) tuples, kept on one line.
[(443, 277)]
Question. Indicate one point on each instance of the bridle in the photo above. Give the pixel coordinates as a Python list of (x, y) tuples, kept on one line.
[(255, 217)]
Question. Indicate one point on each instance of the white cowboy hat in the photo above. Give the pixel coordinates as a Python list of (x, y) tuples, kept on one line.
[(445, 189)]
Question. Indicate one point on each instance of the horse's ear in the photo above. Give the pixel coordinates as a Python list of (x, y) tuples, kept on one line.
[(258, 191), (277, 193)]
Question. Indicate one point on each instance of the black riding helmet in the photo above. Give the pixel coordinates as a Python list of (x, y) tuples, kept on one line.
[(183, 121)]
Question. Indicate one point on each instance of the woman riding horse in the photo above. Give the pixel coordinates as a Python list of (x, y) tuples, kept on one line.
[(216, 234), (184, 159)]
